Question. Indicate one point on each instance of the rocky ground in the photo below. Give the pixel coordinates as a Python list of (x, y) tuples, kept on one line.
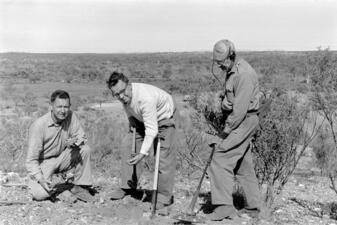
[(306, 200)]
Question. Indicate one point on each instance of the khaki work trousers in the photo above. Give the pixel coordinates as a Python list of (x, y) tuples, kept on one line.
[(77, 160), (167, 160), (233, 157)]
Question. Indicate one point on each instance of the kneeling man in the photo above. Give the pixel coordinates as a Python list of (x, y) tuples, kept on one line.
[(57, 144)]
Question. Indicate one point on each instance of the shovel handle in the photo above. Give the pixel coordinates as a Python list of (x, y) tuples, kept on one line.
[(155, 180), (134, 153), (133, 139), (196, 193)]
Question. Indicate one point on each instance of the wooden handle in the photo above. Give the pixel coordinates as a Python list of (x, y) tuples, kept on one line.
[(133, 139), (156, 170), (155, 180), (196, 193)]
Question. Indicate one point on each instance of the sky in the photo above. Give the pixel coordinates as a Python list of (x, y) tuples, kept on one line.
[(128, 26)]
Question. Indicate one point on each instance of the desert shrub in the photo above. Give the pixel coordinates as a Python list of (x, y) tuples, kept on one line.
[(8, 90), (192, 153), (30, 105), (322, 146), (322, 69), (77, 102), (106, 138), (280, 143), (276, 150), (34, 78), (206, 115), (13, 143)]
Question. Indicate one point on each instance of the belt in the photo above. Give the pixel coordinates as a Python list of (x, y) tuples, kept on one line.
[(253, 112)]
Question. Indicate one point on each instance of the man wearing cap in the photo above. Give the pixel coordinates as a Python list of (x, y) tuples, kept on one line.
[(57, 144), (152, 112), (233, 154)]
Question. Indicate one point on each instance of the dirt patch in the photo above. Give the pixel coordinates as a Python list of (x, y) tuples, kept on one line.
[(306, 200)]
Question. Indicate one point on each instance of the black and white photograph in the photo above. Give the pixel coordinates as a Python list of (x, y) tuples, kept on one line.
[(146, 112)]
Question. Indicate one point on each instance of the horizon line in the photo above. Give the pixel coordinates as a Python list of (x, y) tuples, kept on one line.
[(150, 52)]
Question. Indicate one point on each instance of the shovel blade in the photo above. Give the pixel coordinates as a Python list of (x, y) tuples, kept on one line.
[(185, 218)]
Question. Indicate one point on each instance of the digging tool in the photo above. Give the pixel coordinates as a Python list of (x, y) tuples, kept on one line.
[(15, 185), (190, 215), (155, 181), (8, 203), (134, 174)]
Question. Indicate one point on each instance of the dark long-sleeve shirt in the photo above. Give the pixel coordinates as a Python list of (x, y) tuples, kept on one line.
[(242, 88), (47, 139)]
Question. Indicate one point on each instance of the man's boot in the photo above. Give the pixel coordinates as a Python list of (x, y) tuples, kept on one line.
[(223, 212)]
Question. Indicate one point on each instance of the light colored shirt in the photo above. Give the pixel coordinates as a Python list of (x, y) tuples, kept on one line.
[(242, 93), (47, 139), (149, 104)]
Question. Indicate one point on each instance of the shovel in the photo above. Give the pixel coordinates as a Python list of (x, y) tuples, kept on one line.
[(190, 215), (134, 152), (155, 181)]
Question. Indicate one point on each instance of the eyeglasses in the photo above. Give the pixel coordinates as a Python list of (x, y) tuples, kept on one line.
[(219, 62), (118, 94)]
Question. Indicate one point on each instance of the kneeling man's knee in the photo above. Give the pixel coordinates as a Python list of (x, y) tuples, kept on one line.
[(37, 191), (85, 150)]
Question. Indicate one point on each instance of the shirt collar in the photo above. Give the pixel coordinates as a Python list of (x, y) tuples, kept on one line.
[(234, 67), (50, 121)]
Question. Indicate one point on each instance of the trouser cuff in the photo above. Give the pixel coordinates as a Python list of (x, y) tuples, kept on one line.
[(164, 199)]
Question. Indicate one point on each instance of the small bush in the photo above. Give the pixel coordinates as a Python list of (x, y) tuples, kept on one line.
[(322, 148), (276, 146), (106, 138), (322, 69), (13, 143)]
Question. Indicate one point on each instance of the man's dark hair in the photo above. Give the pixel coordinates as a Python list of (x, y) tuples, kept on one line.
[(115, 77), (59, 94)]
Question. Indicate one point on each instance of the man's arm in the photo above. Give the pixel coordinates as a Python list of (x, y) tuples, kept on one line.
[(149, 113), (76, 131), (243, 89), (35, 147)]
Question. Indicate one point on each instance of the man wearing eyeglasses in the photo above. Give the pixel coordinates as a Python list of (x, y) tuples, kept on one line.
[(233, 155), (152, 112)]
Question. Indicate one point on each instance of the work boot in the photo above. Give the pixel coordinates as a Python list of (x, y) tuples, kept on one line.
[(82, 193), (222, 212), (120, 193), (67, 197), (163, 209), (251, 212)]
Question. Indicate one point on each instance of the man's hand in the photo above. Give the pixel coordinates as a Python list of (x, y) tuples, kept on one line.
[(132, 123), (226, 105), (46, 185), (70, 142), (136, 159), (223, 135), (220, 95)]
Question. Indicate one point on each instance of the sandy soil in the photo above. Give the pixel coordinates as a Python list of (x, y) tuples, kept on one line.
[(302, 202)]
